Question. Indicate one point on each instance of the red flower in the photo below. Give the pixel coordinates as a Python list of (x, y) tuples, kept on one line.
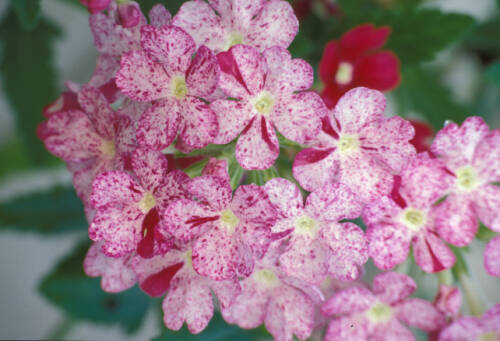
[(423, 136), (356, 60)]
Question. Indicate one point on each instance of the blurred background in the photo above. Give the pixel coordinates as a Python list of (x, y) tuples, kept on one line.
[(450, 69)]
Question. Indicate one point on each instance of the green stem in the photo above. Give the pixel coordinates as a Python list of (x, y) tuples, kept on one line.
[(475, 303), (61, 330), (445, 277)]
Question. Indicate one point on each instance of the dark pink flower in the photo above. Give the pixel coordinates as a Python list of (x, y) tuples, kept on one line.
[(165, 72), (357, 146), (271, 297), (471, 154), (229, 232), (189, 297), (220, 24), (485, 328), (408, 217), (128, 206), (380, 314), (269, 89), (317, 243)]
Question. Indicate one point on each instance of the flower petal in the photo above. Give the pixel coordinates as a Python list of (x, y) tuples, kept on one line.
[(486, 204), (431, 254), (456, 221), (349, 301), (199, 20), (115, 187), (203, 74), (333, 202), (232, 116), (346, 328), (419, 313), (275, 25), (141, 78), (362, 39), (157, 127), (170, 46), (465, 328), (258, 145), (487, 156), (243, 71), (285, 196), (214, 255), (456, 145), (116, 275), (150, 167), (349, 249), (492, 257), (379, 71), (312, 168), (212, 191), (187, 220), (298, 117), (392, 287), (388, 245), (357, 108), (198, 123), (159, 16)]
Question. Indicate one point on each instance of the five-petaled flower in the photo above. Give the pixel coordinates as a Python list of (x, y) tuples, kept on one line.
[(356, 60)]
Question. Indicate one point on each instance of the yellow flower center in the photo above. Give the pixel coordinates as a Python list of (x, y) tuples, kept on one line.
[(228, 220), (379, 313), (266, 278), (348, 144), (306, 226), (234, 38), (189, 259), (488, 336), (413, 219), (108, 148), (263, 103), (179, 88), (344, 73), (147, 202), (467, 179)]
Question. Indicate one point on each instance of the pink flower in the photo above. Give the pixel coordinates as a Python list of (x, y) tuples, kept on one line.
[(357, 146), (128, 206), (483, 328), (220, 24), (118, 32), (472, 155), (269, 92), (189, 297), (165, 72), (317, 244), (448, 301), (380, 314), (95, 6), (228, 232), (92, 141), (116, 273), (492, 257), (271, 297), (408, 217)]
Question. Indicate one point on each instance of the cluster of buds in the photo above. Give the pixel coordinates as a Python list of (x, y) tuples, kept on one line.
[(217, 80)]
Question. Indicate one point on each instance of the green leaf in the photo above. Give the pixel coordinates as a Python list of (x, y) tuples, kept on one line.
[(172, 5), (15, 152), (217, 330), (260, 177), (484, 38), (29, 78), (493, 73), (418, 35), (81, 297), (422, 92), (55, 211), (28, 12), (485, 234)]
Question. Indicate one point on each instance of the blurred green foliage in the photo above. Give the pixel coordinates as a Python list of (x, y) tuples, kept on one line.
[(81, 297), (54, 211)]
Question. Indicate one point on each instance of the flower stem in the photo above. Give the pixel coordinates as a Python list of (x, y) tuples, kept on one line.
[(475, 303), (61, 330)]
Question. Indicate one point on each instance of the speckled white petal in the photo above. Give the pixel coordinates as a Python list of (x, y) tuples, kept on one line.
[(157, 127), (492, 257), (392, 287), (333, 202)]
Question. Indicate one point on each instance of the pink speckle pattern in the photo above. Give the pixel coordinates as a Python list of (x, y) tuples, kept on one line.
[(423, 182), (245, 76), (379, 147), (165, 72), (324, 246), (492, 257), (220, 24), (356, 317)]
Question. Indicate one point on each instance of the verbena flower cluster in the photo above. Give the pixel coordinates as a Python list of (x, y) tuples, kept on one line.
[(219, 74)]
